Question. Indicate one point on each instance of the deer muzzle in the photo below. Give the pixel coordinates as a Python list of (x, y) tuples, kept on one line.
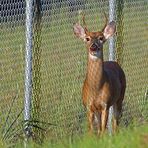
[(93, 47)]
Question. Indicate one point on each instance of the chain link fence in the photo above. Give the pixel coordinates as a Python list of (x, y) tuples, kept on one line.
[(59, 64)]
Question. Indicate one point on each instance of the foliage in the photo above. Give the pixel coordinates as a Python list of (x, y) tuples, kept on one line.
[(133, 137)]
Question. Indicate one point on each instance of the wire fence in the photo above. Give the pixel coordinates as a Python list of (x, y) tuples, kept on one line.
[(59, 64)]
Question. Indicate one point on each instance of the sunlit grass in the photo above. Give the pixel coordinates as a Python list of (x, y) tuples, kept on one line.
[(135, 137), (63, 63)]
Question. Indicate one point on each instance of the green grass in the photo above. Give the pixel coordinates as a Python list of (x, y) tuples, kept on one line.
[(63, 64), (134, 137)]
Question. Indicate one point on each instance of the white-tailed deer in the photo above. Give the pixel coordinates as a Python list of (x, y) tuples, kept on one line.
[(105, 82)]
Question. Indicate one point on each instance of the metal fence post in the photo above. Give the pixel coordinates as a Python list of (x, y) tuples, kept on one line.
[(112, 14), (28, 66)]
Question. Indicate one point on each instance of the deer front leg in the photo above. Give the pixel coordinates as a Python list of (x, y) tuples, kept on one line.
[(104, 119), (90, 121), (99, 124)]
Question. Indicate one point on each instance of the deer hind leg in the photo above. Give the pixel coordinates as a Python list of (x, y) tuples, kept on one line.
[(117, 108)]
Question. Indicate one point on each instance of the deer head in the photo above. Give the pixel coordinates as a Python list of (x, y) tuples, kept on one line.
[(94, 40)]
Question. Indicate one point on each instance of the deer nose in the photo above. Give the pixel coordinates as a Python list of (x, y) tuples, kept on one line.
[(94, 47)]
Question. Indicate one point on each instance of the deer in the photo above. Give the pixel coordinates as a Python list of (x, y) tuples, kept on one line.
[(105, 83)]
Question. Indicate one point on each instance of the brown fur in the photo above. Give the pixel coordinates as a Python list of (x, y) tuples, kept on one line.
[(105, 82), (110, 90)]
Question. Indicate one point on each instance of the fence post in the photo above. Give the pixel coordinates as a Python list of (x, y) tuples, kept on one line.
[(28, 67), (112, 14)]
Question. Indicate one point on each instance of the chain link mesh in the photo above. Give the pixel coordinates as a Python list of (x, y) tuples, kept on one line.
[(59, 63), (12, 45)]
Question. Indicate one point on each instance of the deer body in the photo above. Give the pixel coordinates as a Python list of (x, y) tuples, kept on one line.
[(104, 86), (105, 82)]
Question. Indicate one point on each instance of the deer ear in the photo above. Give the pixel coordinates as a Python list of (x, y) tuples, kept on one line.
[(109, 30), (79, 31)]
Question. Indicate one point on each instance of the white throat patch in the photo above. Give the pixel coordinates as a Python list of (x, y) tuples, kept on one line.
[(93, 57), (96, 56)]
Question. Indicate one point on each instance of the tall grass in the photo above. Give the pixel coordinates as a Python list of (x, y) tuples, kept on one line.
[(133, 137)]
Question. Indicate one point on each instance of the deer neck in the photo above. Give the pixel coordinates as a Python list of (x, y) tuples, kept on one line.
[(95, 71)]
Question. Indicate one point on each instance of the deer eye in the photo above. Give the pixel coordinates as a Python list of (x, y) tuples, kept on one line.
[(87, 39)]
